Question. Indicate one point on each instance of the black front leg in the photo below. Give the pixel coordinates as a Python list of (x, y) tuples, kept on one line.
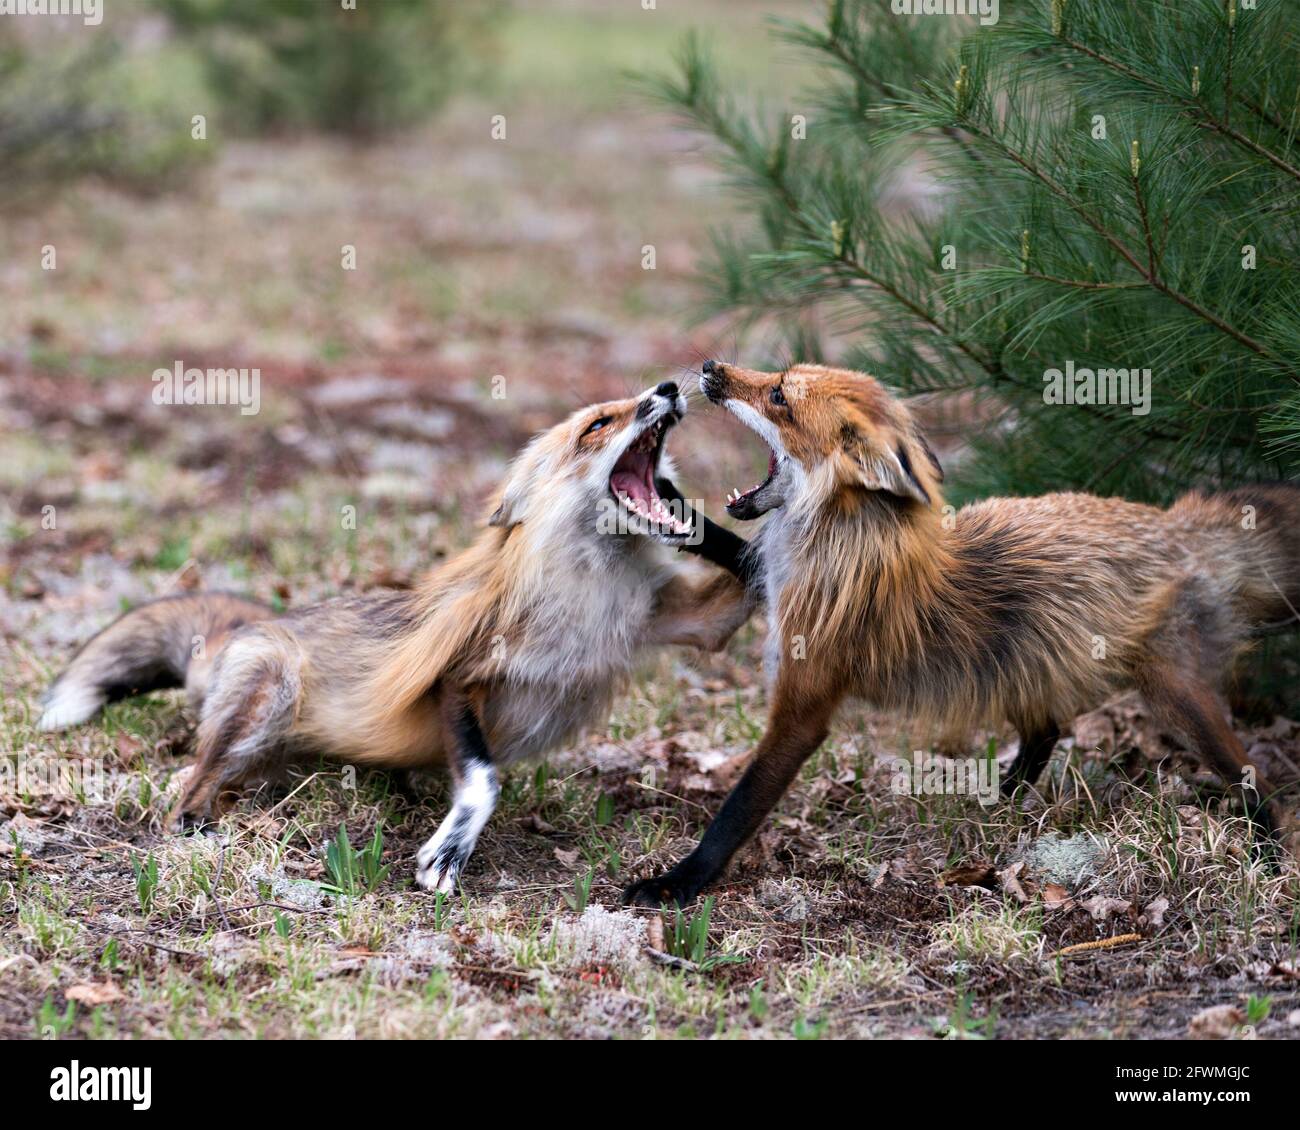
[(717, 544), (798, 725), (1036, 745), (735, 822)]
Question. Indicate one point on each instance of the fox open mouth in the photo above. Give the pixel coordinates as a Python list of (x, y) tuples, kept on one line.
[(632, 481), (737, 498)]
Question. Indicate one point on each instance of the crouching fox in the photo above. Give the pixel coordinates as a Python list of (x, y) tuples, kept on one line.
[(1032, 610), (504, 652)]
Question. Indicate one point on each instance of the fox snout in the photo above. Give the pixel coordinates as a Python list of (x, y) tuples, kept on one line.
[(665, 398), (713, 381), (721, 382)]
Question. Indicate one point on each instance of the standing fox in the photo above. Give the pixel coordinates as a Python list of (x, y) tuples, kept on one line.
[(1032, 610), (506, 651)]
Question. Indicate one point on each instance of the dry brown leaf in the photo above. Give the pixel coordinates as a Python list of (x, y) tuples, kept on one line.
[(91, 993), (968, 875), (899, 868), (1056, 897), (1218, 1022), (1009, 877), (128, 748), (535, 823), (729, 771), (568, 858), (1153, 917), (654, 932), (1101, 907)]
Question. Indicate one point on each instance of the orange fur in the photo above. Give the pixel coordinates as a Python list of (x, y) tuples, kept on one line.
[(1031, 610)]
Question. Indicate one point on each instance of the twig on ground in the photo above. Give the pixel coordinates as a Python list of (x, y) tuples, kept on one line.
[(1099, 944)]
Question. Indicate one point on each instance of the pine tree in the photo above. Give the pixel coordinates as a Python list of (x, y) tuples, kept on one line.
[(1117, 185)]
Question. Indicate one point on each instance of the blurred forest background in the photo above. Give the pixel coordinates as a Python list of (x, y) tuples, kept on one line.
[(324, 127)]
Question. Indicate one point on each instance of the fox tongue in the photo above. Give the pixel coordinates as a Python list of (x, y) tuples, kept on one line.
[(633, 485)]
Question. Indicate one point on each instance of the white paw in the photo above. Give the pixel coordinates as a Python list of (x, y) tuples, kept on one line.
[(432, 876)]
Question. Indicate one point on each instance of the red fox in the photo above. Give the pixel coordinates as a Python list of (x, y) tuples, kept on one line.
[(506, 651), (1031, 610)]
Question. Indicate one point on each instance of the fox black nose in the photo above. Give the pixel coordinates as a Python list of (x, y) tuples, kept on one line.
[(708, 366), (668, 389)]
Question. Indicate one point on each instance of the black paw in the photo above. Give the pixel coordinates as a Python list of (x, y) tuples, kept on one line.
[(671, 888), (183, 823)]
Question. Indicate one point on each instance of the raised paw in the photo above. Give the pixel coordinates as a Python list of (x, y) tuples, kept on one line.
[(674, 539)]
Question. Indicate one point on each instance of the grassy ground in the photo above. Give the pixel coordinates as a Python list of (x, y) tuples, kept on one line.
[(858, 912)]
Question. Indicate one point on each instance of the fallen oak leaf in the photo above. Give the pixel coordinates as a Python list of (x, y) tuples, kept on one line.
[(1009, 877), (900, 868)]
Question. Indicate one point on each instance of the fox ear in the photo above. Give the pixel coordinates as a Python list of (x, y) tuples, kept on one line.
[(930, 455), (526, 470), (509, 513), (890, 469)]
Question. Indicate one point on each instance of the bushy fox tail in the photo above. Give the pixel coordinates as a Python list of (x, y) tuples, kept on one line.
[(1267, 516), (166, 643)]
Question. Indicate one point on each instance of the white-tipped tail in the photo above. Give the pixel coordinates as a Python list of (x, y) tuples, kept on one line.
[(69, 704)]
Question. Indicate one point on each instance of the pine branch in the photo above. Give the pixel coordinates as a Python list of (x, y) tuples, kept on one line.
[(1082, 284), (835, 48), (1189, 107), (1123, 250), (1152, 264), (707, 115), (1108, 243)]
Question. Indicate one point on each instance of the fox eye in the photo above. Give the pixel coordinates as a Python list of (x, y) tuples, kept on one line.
[(778, 397), (596, 425)]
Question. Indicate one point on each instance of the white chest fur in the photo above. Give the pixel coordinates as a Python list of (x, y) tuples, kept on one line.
[(776, 550), (580, 637)]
